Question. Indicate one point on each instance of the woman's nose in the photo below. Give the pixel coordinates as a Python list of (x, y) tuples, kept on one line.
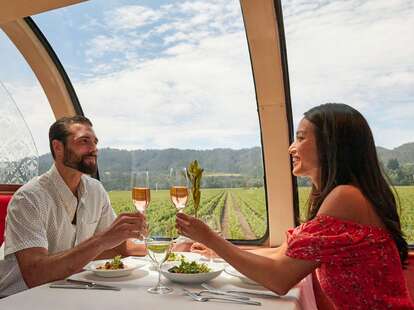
[(291, 148)]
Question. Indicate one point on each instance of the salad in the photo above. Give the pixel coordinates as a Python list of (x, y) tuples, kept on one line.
[(175, 257), (189, 267), (114, 264)]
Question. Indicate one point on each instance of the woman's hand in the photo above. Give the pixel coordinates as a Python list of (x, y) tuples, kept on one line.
[(200, 248), (193, 228)]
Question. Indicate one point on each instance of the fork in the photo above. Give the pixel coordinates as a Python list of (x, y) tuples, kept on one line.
[(203, 299), (239, 292)]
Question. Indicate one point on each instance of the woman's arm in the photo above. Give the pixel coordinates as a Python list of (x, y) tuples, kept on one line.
[(278, 273), (267, 252), (200, 248)]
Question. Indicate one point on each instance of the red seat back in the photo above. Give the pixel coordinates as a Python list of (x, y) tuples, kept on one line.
[(4, 201), (409, 274), (322, 301)]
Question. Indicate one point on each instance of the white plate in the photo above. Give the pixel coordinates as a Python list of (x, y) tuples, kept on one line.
[(129, 263), (233, 272), (216, 269)]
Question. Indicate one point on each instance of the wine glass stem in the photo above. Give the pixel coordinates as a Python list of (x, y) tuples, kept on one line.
[(159, 275)]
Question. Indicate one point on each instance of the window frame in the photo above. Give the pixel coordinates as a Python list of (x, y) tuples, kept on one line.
[(263, 21)]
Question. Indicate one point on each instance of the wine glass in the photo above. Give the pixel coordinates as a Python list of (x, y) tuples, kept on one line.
[(179, 188), (211, 222), (179, 193), (141, 195), (158, 250)]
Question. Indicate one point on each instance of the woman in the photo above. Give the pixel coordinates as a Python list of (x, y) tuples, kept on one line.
[(352, 236)]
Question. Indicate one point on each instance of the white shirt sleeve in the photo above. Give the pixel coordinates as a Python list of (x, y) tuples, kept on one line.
[(25, 225), (108, 214)]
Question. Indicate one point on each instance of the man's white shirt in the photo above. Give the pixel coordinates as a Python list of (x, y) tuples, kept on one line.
[(40, 214)]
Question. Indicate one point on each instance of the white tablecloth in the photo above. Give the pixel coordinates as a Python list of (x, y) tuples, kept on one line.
[(134, 295)]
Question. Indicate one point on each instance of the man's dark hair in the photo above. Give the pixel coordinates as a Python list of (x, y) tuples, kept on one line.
[(60, 129)]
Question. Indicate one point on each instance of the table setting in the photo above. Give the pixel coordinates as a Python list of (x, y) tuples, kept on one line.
[(223, 290), (220, 287), (162, 279)]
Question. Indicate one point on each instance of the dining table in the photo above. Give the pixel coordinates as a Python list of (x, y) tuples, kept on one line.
[(133, 294)]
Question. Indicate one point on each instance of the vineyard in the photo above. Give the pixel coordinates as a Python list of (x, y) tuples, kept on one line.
[(237, 213)]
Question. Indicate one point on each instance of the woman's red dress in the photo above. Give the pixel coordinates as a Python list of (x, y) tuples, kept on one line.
[(360, 266)]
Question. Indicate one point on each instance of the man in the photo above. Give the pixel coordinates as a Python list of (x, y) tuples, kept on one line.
[(62, 220)]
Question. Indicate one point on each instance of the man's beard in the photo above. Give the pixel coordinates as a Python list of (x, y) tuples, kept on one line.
[(76, 162)]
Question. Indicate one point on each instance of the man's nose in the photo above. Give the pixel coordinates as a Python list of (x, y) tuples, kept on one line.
[(93, 149)]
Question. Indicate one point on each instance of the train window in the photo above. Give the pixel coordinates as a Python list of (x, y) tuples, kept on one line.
[(25, 115), (165, 84), (361, 54)]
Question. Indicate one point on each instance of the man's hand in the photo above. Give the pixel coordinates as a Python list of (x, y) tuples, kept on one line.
[(126, 225), (38, 266)]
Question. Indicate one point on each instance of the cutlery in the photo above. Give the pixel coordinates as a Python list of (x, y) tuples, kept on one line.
[(238, 292), (94, 285), (221, 293), (82, 286), (232, 299)]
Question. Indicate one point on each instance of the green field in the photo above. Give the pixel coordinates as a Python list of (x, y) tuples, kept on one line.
[(237, 213)]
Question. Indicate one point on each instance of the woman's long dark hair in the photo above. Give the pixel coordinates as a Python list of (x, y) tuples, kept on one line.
[(347, 155)]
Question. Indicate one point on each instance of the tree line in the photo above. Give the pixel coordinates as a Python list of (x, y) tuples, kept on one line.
[(397, 174), (224, 168)]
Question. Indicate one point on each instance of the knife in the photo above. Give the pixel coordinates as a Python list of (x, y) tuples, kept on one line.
[(94, 285), (79, 284)]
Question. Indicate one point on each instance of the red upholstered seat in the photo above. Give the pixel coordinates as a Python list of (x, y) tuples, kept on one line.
[(409, 274), (4, 201)]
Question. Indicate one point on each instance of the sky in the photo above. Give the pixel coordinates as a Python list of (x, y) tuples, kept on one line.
[(160, 74)]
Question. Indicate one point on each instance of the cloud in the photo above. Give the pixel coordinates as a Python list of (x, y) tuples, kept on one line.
[(103, 44), (144, 32), (181, 78), (131, 17), (355, 52), (179, 75), (197, 96)]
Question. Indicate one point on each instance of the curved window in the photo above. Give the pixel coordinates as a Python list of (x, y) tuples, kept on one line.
[(359, 53), (165, 84), (25, 116)]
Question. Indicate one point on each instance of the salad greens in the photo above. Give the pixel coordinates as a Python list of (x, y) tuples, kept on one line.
[(189, 267), (114, 264), (175, 257)]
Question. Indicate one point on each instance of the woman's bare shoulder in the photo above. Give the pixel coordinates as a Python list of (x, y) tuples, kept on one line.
[(347, 202)]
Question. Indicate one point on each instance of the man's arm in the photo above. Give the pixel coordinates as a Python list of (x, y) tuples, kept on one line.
[(38, 266), (127, 248)]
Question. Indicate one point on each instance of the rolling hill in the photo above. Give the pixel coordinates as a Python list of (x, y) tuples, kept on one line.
[(223, 167)]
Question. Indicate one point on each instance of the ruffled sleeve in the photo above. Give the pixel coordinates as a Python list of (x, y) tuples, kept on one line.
[(326, 239)]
